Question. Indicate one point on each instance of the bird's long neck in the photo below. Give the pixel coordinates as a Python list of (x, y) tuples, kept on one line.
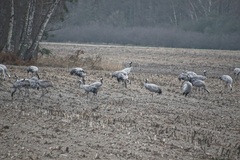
[(145, 84), (80, 84), (205, 74)]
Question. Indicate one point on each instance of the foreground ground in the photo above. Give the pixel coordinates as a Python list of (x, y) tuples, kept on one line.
[(123, 123)]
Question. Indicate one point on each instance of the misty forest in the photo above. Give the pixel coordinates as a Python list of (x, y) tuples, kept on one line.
[(202, 24), (212, 24)]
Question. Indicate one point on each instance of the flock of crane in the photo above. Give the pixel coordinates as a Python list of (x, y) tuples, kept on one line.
[(27, 83), (190, 79)]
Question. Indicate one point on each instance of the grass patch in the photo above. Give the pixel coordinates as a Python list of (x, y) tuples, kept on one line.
[(12, 59)]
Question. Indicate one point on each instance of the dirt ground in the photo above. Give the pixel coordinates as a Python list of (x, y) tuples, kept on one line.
[(123, 123)]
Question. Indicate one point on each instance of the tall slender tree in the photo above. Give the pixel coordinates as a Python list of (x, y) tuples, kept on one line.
[(8, 45), (29, 24)]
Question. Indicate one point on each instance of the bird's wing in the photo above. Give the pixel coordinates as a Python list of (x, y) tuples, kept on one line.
[(96, 84), (116, 73), (199, 77), (184, 87), (152, 87), (127, 70)]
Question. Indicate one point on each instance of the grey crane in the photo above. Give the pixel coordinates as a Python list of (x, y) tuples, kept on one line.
[(25, 83), (152, 87), (18, 84), (236, 72), (96, 86), (199, 84), (186, 88), (227, 79), (123, 77), (184, 75), (122, 72), (199, 77), (44, 84), (33, 70), (5, 70), (116, 74), (88, 88), (78, 72), (190, 74), (128, 69)]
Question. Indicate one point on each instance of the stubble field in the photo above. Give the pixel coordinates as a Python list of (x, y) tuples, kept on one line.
[(123, 123)]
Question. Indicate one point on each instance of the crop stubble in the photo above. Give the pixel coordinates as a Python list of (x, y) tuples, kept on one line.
[(124, 123)]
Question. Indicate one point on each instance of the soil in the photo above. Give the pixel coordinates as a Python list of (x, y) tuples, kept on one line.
[(123, 123)]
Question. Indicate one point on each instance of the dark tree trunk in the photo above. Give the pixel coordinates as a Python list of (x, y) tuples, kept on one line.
[(32, 51), (8, 45)]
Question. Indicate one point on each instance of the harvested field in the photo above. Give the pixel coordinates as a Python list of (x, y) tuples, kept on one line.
[(123, 123)]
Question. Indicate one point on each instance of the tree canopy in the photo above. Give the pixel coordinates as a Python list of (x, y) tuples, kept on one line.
[(171, 23), (23, 24)]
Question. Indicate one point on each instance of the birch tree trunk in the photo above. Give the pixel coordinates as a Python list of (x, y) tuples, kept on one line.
[(193, 10), (32, 51), (26, 40), (8, 45), (175, 20)]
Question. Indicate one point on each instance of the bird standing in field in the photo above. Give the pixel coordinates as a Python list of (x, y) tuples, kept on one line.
[(44, 84), (152, 87), (236, 72), (122, 76), (128, 69), (228, 80), (199, 84), (186, 88), (27, 84), (5, 70), (33, 70), (199, 77), (186, 75), (78, 72), (96, 85), (88, 88)]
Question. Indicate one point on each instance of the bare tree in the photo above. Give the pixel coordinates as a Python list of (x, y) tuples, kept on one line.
[(28, 20), (8, 45), (26, 41), (31, 52)]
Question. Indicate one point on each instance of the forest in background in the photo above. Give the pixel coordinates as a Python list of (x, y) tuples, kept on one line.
[(204, 24), (24, 24)]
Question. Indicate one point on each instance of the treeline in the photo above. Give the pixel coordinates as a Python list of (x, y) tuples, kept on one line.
[(171, 23), (24, 23)]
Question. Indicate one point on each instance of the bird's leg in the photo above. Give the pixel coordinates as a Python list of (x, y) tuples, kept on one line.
[(37, 75), (94, 95), (26, 92), (13, 92), (8, 75), (129, 81), (226, 85), (43, 93), (125, 83)]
